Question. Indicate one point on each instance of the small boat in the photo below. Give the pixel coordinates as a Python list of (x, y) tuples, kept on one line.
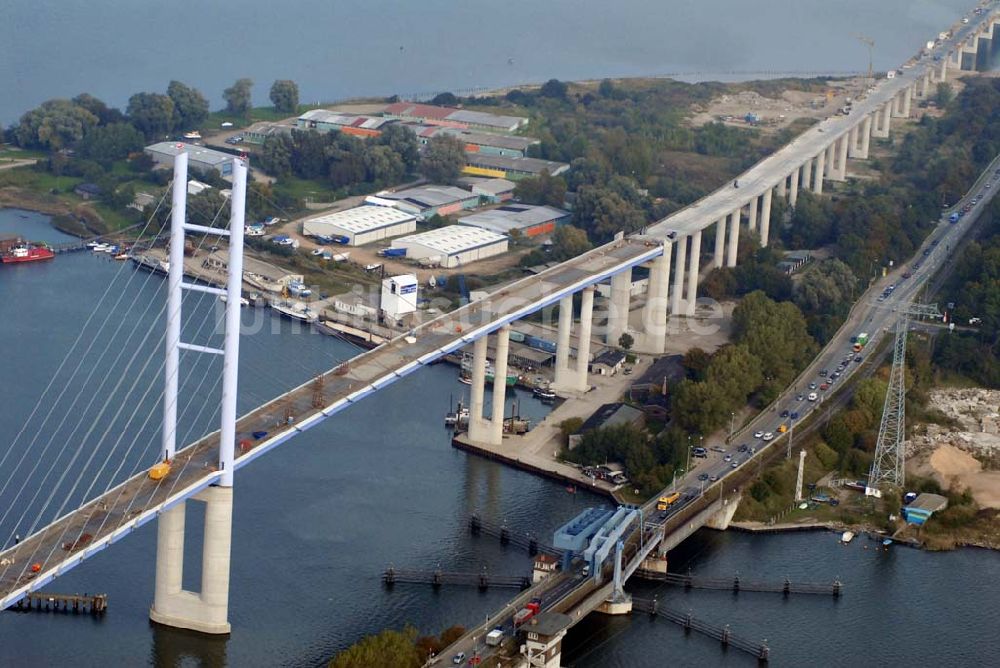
[(887, 542), (259, 434), (194, 134), (93, 244), (111, 250), (847, 537), (296, 311), (243, 300), (121, 256), (99, 248), (544, 393)]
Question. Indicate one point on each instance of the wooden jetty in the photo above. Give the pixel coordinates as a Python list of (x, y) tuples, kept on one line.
[(438, 578), (690, 623), (95, 604)]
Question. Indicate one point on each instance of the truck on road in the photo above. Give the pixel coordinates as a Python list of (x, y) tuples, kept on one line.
[(494, 637), (523, 615), (860, 342)]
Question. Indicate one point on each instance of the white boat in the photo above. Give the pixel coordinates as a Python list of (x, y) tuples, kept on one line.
[(99, 248), (847, 537), (296, 311), (94, 244), (243, 300)]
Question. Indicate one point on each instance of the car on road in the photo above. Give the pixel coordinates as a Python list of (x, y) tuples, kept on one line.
[(823, 373), (743, 447), (859, 359), (813, 396), (758, 434), (713, 478), (727, 458), (812, 386), (824, 386), (794, 416), (703, 476), (768, 436), (784, 414), (700, 453), (800, 398), (735, 463), (458, 659), (782, 428)]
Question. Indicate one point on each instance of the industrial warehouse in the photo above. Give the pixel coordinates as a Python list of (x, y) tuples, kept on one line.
[(513, 169), (427, 201), (524, 219), (361, 225), (452, 246), (199, 157)]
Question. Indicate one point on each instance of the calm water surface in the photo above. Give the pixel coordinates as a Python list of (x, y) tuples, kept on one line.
[(113, 48)]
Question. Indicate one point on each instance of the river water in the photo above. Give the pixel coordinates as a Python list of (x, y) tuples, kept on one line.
[(379, 484), (384, 47)]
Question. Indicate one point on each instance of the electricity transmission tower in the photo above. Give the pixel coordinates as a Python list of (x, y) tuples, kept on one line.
[(888, 467)]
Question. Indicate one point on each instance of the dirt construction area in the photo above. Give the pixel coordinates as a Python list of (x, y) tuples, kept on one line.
[(776, 113), (965, 454)]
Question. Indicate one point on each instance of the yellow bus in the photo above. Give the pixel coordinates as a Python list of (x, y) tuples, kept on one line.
[(667, 501)]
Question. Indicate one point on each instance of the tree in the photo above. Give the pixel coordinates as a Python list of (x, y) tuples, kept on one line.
[(403, 141), (943, 94), (285, 96), (383, 165), (151, 113), (543, 189), (105, 114), (554, 88), (54, 125), (603, 213), (190, 106), (387, 648), (625, 341), (276, 155), (443, 159), (238, 97), (105, 144), (568, 242), (445, 99)]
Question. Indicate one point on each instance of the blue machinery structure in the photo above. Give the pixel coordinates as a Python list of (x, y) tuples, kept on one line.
[(593, 534)]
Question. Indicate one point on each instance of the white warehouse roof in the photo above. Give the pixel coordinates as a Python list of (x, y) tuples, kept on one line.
[(453, 239), (360, 219)]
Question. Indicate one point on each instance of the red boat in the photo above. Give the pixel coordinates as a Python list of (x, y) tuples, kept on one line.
[(27, 254)]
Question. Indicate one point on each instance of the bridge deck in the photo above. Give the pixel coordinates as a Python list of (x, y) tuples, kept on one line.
[(78, 535)]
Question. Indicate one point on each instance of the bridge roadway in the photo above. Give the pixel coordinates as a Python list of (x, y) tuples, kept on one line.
[(78, 535), (109, 517), (762, 176), (572, 593)]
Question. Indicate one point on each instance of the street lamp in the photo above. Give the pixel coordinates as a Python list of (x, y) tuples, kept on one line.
[(732, 424)]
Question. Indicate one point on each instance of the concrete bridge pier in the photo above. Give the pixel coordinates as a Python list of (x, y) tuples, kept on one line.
[(734, 238), (479, 430), (563, 375), (765, 216), (818, 173), (793, 191), (618, 306), (865, 137), (720, 242), (881, 122), (752, 210), (807, 170), (842, 146), (695, 259), (783, 187), (654, 317), (499, 384), (852, 141), (678, 294), (907, 94), (206, 611), (583, 348), (943, 72), (925, 86)]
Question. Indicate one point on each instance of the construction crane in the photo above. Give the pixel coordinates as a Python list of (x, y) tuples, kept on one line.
[(888, 467), (871, 47)]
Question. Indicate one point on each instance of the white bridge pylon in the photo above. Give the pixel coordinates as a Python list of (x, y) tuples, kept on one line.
[(206, 611)]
